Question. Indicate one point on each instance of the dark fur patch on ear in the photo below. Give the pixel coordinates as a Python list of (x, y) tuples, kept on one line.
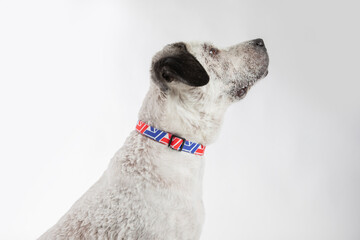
[(181, 66)]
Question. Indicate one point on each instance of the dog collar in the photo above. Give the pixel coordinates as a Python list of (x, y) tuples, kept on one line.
[(173, 141)]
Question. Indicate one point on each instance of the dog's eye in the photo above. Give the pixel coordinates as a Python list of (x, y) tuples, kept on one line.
[(213, 51)]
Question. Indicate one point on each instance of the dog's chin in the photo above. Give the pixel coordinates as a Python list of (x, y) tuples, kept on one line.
[(265, 74), (260, 76)]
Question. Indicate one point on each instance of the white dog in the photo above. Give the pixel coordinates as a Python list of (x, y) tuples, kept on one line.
[(152, 189)]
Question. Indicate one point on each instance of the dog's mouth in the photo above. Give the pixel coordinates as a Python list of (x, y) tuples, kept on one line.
[(241, 88), (240, 93)]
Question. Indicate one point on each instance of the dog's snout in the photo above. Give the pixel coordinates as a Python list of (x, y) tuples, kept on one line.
[(258, 42)]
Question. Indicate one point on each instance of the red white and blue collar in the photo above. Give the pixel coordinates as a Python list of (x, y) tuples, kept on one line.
[(173, 141)]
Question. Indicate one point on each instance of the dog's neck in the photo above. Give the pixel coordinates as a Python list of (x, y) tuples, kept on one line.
[(185, 114)]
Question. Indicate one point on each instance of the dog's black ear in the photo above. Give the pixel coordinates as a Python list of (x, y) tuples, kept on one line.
[(181, 67)]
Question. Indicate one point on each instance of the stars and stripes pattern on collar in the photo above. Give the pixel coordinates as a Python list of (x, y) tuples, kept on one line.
[(173, 141)]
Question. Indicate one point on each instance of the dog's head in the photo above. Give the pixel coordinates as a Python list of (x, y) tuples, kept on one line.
[(194, 83), (201, 68)]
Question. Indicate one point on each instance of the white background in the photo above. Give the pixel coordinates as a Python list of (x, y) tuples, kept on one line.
[(287, 162)]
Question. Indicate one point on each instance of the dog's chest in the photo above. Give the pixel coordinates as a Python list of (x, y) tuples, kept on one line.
[(165, 200), (175, 203), (150, 212), (176, 214)]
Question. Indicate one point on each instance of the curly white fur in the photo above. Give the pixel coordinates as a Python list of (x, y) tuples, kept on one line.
[(150, 191)]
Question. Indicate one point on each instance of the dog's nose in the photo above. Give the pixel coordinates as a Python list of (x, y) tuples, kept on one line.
[(258, 42)]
